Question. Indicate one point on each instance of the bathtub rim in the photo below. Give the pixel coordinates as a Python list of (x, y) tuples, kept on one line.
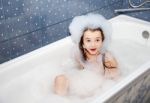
[(34, 53), (127, 18)]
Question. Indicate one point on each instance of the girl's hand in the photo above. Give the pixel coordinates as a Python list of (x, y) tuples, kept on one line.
[(110, 61)]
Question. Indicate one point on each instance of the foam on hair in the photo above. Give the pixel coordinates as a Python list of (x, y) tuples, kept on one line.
[(92, 21)]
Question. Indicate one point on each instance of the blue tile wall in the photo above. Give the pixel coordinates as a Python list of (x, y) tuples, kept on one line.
[(26, 25), (145, 15), (108, 11), (25, 43), (5, 51), (1, 11), (55, 32), (12, 8)]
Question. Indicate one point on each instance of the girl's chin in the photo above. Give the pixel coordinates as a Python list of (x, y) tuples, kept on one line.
[(93, 53)]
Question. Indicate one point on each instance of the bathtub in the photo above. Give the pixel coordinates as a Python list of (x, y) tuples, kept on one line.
[(26, 79)]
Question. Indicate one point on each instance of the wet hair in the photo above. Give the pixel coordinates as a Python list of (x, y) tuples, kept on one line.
[(81, 41)]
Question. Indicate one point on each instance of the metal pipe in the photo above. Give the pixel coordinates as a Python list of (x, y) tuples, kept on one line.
[(131, 9)]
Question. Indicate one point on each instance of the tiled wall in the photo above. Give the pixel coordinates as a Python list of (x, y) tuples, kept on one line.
[(145, 15), (26, 25)]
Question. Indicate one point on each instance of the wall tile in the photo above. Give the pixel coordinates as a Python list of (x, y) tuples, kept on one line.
[(16, 26), (50, 13), (12, 8), (34, 22), (111, 2), (53, 16), (97, 4), (77, 7), (26, 43), (21, 25), (55, 32), (2, 16), (108, 12), (3, 34), (5, 51)]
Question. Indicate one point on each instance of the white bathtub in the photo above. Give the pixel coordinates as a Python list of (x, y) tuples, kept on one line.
[(25, 79)]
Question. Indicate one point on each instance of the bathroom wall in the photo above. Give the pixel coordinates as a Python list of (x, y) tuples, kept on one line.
[(145, 15), (26, 25)]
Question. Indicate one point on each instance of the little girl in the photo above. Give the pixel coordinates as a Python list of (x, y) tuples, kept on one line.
[(91, 35)]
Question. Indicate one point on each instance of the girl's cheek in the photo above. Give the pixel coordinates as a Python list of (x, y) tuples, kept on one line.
[(86, 45)]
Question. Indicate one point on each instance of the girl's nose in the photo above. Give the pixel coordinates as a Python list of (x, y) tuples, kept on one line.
[(93, 44)]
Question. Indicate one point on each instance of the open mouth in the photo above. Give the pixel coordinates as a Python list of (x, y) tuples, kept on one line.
[(93, 49)]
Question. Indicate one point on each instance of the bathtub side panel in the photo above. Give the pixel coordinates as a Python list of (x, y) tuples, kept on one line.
[(136, 92)]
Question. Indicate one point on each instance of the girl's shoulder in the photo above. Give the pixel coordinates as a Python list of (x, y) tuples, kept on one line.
[(108, 55)]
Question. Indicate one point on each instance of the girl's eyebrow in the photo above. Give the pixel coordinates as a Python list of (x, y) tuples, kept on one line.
[(87, 38), (96, 38)]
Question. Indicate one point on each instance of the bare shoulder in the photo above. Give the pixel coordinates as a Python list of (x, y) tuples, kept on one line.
[(109, 55)]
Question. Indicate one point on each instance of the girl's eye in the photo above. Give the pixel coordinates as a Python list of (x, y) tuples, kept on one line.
[(88, 40), (97, 40)]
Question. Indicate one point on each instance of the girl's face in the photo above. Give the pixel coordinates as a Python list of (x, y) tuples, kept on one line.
[(92, 41)]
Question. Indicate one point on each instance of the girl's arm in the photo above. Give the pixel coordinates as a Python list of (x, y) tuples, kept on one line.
[(111, 64), (110, 61)]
